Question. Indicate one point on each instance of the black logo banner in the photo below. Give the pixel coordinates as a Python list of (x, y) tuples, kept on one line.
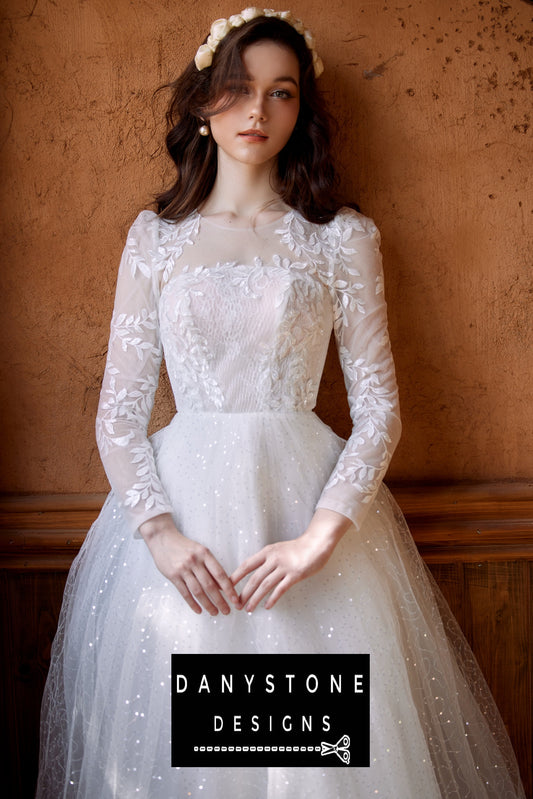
[(270, 710)]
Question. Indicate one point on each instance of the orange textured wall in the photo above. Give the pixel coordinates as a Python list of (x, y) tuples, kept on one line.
[(434, 103)]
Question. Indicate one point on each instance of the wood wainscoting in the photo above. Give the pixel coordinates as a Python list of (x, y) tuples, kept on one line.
[(477, 540)]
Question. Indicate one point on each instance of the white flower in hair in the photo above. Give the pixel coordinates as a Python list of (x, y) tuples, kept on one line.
[(251, 13), (236, 20), (221, 27), (203, 57)]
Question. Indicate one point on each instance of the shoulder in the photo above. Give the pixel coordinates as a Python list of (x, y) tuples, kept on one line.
[(149, 231), (153, 243), (355, 246), (350, 223), (140, 250), (345, 224), (144, 227), (154, 231), (143, 234)]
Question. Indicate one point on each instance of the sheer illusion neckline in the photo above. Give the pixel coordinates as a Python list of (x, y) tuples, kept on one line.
[(241, 228)]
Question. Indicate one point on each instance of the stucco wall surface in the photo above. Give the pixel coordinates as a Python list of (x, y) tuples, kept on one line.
[(433, 101)]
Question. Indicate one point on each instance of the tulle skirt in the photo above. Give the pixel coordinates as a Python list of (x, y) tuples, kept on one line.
[(238, 482)]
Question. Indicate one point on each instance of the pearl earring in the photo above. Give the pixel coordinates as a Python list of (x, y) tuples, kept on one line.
[(203, 130)]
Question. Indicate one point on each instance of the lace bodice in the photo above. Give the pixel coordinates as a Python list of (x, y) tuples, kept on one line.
[(244, 317)]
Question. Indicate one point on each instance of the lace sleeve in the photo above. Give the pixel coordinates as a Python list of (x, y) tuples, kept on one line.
[(360, 324), (130, 379)]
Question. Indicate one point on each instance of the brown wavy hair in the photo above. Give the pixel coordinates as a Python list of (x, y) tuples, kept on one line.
[(305, 179)]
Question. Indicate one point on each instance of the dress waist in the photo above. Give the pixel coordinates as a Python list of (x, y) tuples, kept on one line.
[(214, 414)]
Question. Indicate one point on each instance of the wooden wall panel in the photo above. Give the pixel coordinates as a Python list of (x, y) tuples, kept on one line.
[(492, 601)]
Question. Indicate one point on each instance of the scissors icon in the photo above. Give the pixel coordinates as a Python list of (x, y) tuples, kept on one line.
[(341, 749)]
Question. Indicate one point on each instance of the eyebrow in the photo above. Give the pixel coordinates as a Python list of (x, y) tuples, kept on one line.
[(281, 79), (286, 79)]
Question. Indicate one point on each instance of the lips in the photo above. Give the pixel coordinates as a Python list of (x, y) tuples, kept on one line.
[(254, 133)]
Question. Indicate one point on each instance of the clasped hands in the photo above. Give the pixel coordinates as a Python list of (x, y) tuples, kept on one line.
[(204, 583)]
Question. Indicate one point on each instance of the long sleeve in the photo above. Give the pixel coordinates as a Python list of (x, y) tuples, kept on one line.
[(360, 324), (130, 379)]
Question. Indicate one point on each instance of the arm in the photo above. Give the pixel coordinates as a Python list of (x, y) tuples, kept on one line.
[(126, 400), (360, 322), (130, 380)]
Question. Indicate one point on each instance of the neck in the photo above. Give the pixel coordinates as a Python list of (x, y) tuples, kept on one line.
[(241, 190)]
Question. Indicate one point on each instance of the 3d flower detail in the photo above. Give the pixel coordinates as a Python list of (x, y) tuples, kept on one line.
[(221, 27)]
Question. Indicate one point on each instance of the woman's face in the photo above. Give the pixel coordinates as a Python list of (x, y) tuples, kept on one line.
[(259, 124)]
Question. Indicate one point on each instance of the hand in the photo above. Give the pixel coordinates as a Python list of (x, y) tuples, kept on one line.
[(191, 567), (279, 566)]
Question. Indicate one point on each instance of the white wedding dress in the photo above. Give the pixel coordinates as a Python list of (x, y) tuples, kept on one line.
[(244, 317)]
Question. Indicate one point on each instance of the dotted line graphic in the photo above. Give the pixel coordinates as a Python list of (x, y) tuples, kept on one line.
[(257, 748), (341, 749)]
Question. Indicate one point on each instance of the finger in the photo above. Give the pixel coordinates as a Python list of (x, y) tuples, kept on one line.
[(265, 587), (256, 580), (197, 591), (248, 566), (186, 594), (212, 590), (278, 592), (223, 581)]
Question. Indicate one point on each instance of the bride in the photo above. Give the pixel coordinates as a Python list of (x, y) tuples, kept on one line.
[(247, 527)]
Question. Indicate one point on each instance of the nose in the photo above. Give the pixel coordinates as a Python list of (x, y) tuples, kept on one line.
[(257, 107)]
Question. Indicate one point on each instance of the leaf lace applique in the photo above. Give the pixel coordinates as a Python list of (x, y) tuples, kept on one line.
[(187, 351), (148, 487), (288, 381), (122, 409), (328, 252), (371, 405), (172, 241), (131, 330)]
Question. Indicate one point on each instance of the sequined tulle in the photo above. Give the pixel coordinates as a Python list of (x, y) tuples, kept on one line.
[(243, 464), (107, 708)]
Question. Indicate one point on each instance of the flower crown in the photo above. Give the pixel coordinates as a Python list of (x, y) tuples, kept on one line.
[(221, 27)]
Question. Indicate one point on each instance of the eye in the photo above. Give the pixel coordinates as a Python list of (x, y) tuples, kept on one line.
[(284, 94)]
